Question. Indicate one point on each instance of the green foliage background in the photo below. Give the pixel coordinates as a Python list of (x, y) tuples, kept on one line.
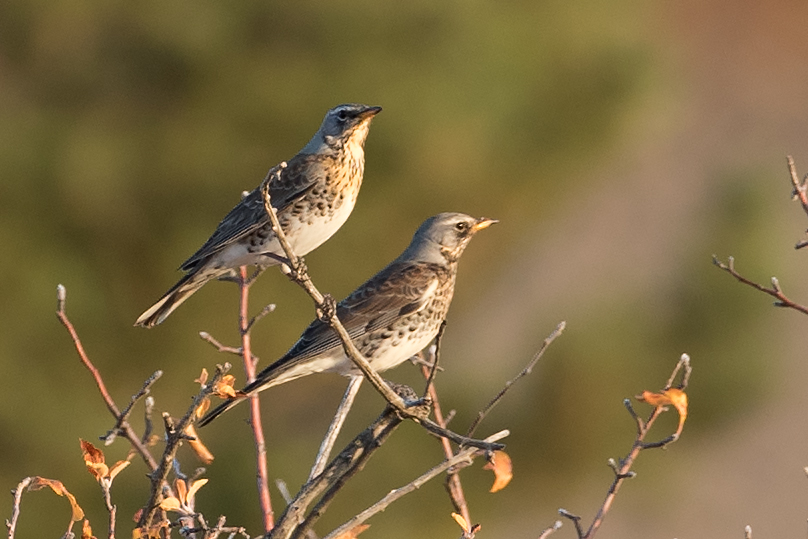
[(127, 130)]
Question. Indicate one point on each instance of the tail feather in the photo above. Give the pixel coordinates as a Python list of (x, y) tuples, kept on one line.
[(173, 299), (219, 410)]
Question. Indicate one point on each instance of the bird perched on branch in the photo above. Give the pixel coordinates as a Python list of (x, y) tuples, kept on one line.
[(391, 317), (313, 197)]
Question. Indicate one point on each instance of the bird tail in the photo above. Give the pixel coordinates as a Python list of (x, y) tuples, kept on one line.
[(174, 298), (219, 410), (271, 376)]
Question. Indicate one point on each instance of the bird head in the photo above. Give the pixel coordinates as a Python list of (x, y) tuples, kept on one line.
[(443, 238), (344, 125)]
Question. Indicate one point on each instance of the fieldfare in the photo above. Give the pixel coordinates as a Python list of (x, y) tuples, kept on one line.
[(391, 317), (313, 197)]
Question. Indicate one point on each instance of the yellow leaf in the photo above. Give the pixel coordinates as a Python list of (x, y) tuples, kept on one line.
[(674, 397), (461, 521), (196, 485), (500, 463), (170, 504), (93, 459), (117, 467)]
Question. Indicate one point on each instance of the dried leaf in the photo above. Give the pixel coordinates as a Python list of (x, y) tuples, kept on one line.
[(224, 388), (353, 532), (117, 468), (58, 488), (674, 397), (170, 504), (182, 490), (86, 530), (500, 463), (93, 459), (196, 485), (202, 452), (461, 522), (202, 408), (203, 377)]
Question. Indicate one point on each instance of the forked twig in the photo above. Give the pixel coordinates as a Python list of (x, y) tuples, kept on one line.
[(622, 468), (527, 370), (122, 424), (775, 291)]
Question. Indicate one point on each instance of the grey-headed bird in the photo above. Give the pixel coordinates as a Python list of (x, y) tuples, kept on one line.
[(391, 317), (313, 197)]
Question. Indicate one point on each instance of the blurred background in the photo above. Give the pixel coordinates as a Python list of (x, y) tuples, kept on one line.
[(621, 143)]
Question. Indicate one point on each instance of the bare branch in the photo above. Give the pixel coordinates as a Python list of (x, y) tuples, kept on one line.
[(336, 425), (547, 531), (775, 291), (175, 434), (262, 475), (15, 511), (110, 436), (464, 455), (125, 428)]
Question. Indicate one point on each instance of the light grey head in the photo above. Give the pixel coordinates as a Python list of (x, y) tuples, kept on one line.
[(442, 238), (344, 125)]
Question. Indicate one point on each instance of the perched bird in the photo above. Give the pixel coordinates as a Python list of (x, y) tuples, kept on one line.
[(391, 317), (313, 197)]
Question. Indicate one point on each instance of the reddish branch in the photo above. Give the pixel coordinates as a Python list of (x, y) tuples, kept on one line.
[(120, 419), (775, 291), (255, 405)]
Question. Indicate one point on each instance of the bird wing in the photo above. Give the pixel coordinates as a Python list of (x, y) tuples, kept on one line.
[(398, 290), (301, 174)]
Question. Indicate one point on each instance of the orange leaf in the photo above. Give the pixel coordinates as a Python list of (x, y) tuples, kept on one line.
[(353, 532), (202, 408), (502, 467), (224, 388), (674, 397), (86, 530), (170, 504), (93, 459), (58, 488), (202, 452)]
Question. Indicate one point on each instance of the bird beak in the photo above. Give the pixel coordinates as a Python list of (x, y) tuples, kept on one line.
[(483, 222), (369, 112)]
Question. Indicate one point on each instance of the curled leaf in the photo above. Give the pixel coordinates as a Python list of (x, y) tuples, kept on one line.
[(674, 397), (86, 530), (224, 387), (461, 522), (500, 463), (59, 488), (203, 377)]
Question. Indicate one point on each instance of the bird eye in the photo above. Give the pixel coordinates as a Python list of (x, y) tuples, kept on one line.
[(342, 116), (461, 227)]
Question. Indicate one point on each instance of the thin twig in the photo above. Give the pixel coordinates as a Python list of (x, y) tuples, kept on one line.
[(262, 474), (175, 434), (453, 485), (435, 354), (207, 337), (527, 370), (800, 187), (622, 468), (15, 511), (294, 521), (110, 436), (547, 531), (336, 425), (464, 455), (775, 291), (126, 429)]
